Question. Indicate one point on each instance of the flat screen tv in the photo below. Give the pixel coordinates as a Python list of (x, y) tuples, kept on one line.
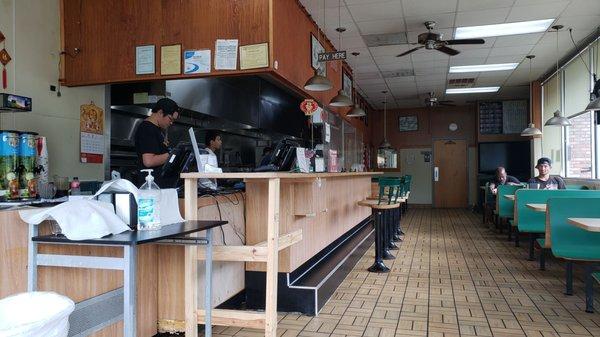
[(514, 156)]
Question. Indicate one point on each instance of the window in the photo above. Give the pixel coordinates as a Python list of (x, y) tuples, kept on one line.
[(580, 147)]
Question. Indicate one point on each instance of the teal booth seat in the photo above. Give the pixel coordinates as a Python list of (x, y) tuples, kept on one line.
[(534, 223), (573, 243), (576, 187), (506, 207)]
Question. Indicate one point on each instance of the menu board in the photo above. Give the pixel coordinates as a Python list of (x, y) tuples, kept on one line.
[(502, 117)]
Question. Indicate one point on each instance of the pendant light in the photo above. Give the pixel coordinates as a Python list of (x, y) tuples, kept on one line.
[(385, 145), (531, 130), (318, 82), (558, 119), (595, 104), (357, 110), (340, 100)]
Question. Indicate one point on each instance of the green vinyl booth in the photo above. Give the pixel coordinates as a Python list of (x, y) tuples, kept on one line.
[(505, 207), (574, 244), (533, 223)]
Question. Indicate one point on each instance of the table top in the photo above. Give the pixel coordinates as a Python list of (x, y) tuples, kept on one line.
[(139, 237), (273, 175), (509, 197), (537, 207), (589, 224)]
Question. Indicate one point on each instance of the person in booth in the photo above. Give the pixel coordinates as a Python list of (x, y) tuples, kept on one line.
[(151, 144), (544, 181), (501, 178)]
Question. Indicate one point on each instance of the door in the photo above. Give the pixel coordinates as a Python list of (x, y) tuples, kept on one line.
[(450, 174)]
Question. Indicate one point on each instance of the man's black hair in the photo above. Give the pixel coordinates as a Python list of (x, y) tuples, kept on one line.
[(211, 135), (167, 105)]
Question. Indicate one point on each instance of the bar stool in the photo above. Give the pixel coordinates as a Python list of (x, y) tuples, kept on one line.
[(380, 212), (395, 190)]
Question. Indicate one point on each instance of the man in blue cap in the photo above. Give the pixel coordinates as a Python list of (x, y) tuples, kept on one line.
[(544, 181)]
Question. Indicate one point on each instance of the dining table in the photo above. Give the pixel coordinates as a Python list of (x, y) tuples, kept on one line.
[(588, 224), (537, 207)]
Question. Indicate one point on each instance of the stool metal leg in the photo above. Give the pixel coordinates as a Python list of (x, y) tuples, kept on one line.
[(589, 288), (378, 266), (391, 216), (386, 236), (396, 226)]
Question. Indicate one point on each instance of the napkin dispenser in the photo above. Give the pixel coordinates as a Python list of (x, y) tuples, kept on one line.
[(125, 206)]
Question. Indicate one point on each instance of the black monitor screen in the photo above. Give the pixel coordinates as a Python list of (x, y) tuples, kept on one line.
[(514, 156)]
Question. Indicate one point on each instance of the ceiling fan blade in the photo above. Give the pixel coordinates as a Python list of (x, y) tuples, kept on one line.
[(447, 104), (446, 101), (447, 50), (409, 51), (465, 41)]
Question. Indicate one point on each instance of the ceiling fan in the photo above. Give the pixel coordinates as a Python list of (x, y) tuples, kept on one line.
[(433, 101), (432, 40)]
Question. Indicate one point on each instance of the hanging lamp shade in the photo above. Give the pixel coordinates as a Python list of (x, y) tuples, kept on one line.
[(558, 120), (385, 145), (531, 131), (340, 100), (357, 111), (318, 83), (594, 105)]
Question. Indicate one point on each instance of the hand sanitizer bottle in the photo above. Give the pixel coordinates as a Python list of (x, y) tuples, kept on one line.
[(148, 204)]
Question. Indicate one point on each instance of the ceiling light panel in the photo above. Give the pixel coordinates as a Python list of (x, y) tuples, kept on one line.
[(503, 29), (483, 67), (477, 90)]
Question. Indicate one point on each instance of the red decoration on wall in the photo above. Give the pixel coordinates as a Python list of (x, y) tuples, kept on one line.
[(309, 106)]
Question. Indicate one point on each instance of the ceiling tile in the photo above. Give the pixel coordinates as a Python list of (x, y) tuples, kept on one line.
[(580, 22), (376, 11), (460, 60), (582, 7), (535, 2), (417, 23), (425, 7), (505, 59), (381, 26), (389, 50), (481, 52), (481, 17), (517, 50), (474, 5), (518, 40), (547, 10)]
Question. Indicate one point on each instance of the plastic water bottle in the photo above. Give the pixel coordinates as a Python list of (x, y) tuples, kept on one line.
[(148, 204)]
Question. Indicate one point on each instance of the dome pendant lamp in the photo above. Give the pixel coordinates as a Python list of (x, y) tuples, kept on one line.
[(318, 82), (531, 130), (558, 119)]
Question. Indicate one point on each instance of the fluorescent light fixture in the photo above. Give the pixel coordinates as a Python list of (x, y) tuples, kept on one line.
[(472, 90), (483, 67), (503, 29)]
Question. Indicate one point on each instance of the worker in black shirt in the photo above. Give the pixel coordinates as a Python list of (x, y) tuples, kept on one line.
[(502, 178), (544, 181), (150, 143)]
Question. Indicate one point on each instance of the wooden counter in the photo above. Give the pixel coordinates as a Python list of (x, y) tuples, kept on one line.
[(322, 205)]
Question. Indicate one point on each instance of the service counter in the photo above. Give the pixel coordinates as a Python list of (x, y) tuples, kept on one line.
[(320, 205)]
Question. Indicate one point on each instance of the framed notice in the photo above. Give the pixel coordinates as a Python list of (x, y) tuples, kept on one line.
[(144, 60), (408, 123), (170, 60), (91, 126), (316, 49), (347, 85), (254, 56)]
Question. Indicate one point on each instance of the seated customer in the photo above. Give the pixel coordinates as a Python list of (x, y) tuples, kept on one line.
[(544, 181), (502, 178)]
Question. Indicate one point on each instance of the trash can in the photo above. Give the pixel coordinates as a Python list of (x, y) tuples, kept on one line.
[(35, 314)]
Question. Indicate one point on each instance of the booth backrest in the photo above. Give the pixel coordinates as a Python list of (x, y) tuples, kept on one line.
[(567, 240), (505, 207), (577, 187), (531, 221)]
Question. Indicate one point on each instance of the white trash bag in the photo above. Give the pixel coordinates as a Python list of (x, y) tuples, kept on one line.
[(35, 314)]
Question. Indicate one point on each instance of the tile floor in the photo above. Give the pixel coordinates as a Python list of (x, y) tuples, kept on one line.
[(451, 277)]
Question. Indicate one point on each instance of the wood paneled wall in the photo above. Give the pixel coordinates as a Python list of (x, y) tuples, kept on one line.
[(433, 124), (99, 40), (106, 33)]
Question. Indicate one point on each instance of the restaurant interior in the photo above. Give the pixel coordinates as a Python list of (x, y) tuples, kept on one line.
[(322, 168)]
